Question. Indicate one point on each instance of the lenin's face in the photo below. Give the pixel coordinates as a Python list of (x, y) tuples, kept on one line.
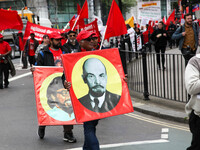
[(94, 75)]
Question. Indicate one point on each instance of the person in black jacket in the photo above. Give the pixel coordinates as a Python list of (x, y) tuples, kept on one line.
[(51, 56), (160, 37), (72, 45), (171, 30)]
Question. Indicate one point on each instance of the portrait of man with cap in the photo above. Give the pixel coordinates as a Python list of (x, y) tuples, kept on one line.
[(5, 50), (29, 50)]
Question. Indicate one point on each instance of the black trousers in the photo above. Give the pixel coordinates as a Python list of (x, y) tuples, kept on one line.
[(31, 60), (66, 128), (194, 123), (161, 49), (4, 70), (24, 61)]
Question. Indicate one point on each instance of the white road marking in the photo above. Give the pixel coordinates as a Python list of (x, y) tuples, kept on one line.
[(128, 144), (20, 76)]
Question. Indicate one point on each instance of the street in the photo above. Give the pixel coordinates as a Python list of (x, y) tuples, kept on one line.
[(134, 131)]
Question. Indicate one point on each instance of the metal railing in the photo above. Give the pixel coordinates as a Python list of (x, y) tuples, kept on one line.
[(145, 76)]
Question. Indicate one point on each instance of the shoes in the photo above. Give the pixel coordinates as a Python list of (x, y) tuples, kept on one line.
[(69, 137), (24, 67), (41, 132), (6, 86), (1, 87)]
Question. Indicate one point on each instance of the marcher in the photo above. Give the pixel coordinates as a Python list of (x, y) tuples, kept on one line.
[(29, 50), (51, 56), (91, 142), (19, 41), (160, 37), (192, 108), (5, 50), (188, 35), (45, 42), (72, 45), (20, 44), (171, 30)]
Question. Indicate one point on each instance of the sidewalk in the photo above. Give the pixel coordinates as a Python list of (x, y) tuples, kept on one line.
[(166, 109)]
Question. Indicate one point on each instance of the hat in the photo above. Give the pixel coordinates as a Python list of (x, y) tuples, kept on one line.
[(71, 32), (94, 34), (1, 36), (55, 36), (19, 32), (83, 35), (32, 33)]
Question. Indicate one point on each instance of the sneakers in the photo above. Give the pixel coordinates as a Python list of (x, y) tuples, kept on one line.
[(41, 132), (69, 137)]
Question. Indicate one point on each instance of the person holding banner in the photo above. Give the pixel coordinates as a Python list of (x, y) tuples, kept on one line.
[(51, 56), (29, 50), (86, 42), (72, 45), (91, 142)]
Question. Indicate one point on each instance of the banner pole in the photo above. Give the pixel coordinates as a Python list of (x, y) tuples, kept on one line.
[(66, 26), (103, 37), (75, 22), (21, 53)]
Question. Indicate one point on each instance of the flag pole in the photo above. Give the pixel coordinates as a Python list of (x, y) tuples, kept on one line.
[(75, 22), (103, 37), (66, 26)]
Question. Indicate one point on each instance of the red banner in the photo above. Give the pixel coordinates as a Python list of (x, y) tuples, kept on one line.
[(10, 20), (92, 27), (52, 100), (98, 88), (39, 31)]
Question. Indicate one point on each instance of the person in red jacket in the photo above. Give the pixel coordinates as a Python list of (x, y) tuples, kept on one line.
[(5, 50)]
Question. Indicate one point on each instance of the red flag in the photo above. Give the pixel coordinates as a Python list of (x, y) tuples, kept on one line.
[(164, 20), (187, 10), (171, 18), (92, 27), (84, 11), (79, 23), (115, 23), (10, 20), (78, 8), (150, 27), (182, 17)]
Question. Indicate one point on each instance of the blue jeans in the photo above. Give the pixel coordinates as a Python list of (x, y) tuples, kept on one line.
[(91, 142)]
